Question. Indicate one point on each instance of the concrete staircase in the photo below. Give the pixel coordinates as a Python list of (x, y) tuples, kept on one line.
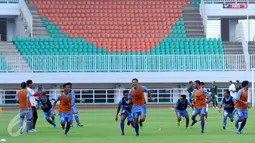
[(39, 29), (234, 48), (193, 22), (13, 57)]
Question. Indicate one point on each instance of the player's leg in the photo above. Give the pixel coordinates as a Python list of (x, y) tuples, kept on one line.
[(68, 119), (194, 114), (240, 118), (179, 118), (143, 115), (245, 117), (186, 115), (76, 116), (35, 117), (47, 118), (202, 119), (28, 117), (213, 101), (52, 116), (225, 115), (21, 120), (122, 123), (136, 115), (62, 120), (131, 119)]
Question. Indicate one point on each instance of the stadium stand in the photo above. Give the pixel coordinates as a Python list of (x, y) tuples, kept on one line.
[(120, 28)]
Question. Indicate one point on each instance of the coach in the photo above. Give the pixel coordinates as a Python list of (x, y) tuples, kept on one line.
[(33, 102)]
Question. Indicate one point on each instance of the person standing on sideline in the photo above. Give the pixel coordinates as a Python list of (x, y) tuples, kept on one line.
[(238, 86), (214, 94), (33, 102), (232, 89), (190, 90)]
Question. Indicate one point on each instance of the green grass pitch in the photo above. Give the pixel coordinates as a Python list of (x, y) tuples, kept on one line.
[(100, 127)]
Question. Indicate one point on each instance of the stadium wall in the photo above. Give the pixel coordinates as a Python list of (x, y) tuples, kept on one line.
[(9, 10), (123, 77)]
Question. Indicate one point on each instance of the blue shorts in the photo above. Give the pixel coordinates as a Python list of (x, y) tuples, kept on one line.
[(182, 113), (201, 111), (47, 114), (242, 113), (139, 110), (128, 114), (66, 117), (228, 114), (74, 109), (26, 113)]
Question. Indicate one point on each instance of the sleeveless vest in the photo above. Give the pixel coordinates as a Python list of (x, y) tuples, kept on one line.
[(183, 105)]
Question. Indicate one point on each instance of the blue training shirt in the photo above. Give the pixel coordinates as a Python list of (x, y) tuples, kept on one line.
[(198, 90), (145, 89), (177, 103), (67, 95)]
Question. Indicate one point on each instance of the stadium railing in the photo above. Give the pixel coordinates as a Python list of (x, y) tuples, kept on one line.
[(227, 1), (9, 1), (129, 63), (107, 96)]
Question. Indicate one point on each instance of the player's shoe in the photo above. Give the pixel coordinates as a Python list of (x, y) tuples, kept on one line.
[(21, 130), (55, 125), (31, 131), (137, 135), (238, 132), (34, 130), (193, 123), (237, 125), (224, 127), (141, 124), (80, 125), (202, 132), (65, 135), (123, 134), (63, 127)]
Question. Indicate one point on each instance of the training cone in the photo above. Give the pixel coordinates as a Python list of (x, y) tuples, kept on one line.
[(160, 129)]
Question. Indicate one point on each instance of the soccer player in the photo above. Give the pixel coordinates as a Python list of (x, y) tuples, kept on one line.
[(242, 106), (214, 94), (190, 90), (74, 108), (180, 109), (207, 104), (46, 106), (139, 103), (126, 112), (33, 102), (229, 107), (200, 95), (22, 98), (67, 100)]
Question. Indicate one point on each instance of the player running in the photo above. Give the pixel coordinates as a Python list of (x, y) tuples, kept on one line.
[(229, 108), (242, 106), (207, 103), (181, 109), (25, 107), (139, 103), (74, 108), (125, 113), (200, 95), (65, 108), (46, 106)]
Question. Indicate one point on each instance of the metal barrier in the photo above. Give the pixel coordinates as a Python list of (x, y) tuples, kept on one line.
[(127, 63), (108, 96)]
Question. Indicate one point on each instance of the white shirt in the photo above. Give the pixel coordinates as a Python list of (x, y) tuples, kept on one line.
[(232, 88), (31, 96)]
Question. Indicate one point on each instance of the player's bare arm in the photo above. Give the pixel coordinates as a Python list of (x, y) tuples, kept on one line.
[(129, 101), (150, 96), (220, 106), (117, 114)]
